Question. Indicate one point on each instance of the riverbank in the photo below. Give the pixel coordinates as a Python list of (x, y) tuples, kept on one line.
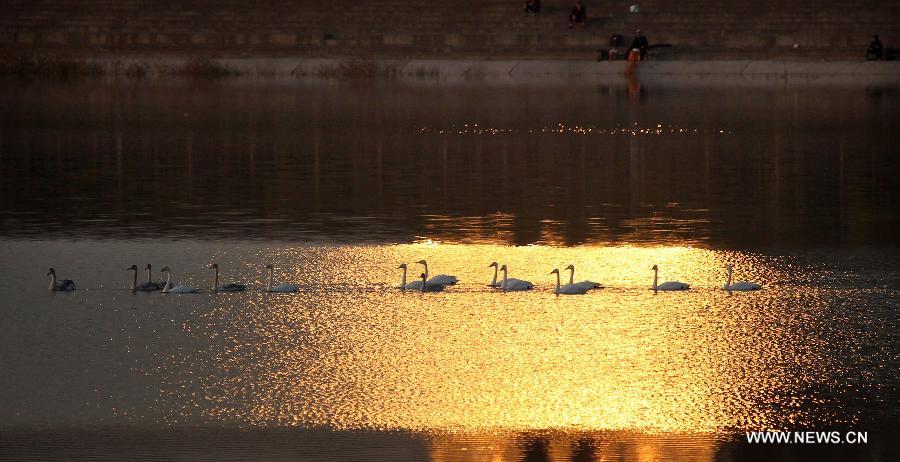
[(451, 69)]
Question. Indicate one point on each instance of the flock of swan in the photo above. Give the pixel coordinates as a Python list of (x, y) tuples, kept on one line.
[(439, 282), (168, 287), (422, 284)]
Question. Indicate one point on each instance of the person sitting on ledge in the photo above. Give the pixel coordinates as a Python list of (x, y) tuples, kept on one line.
[(578, 15), (875, 50), (532, 6), (640, 43)]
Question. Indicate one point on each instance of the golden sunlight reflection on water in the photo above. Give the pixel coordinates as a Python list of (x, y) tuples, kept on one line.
[(351, 351)]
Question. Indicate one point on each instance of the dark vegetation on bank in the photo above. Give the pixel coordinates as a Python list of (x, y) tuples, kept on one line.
[(61, 67), (29, 66), (52, 66)]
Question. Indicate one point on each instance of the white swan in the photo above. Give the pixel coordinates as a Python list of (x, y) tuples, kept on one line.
[(230, 287), (280, 288), (150, 281), (513, 284), (169, 289), (428, 286), (740, 285), (441, 279), (587, 284), (568, 289), (494, 282), (669, 285), (144, 286), (62, 285), (414, 285)]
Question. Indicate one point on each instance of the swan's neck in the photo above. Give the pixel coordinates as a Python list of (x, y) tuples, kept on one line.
[(52, 281), (149, 274), (134, 280), (557, 283), (269, 282), (655, 278), (424, 282), (494, 281), (572, 275), (403, 281), (503, 286), (728, 282), (216, 280), (168, 285), (426, 269)]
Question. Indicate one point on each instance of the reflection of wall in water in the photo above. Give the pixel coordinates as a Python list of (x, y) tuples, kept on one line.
[(348, 162), (573, 447)]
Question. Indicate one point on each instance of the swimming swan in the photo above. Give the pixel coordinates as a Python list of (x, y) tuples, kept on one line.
[(280, 288), (669, 285), (588, 284), (169, 289), (740, 285), (441, 279), (428, 286), (144, 286), (63, 285), (494, 282), (568, 289), (512, 284), (230, 287), (414, 285)]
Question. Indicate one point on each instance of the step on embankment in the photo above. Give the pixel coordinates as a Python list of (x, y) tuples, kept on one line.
[(484, 29)]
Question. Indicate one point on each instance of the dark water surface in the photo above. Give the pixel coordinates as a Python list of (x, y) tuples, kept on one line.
[(745, 167), (336, 183)]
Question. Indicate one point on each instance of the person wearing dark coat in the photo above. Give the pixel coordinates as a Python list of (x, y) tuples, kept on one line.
[(875, 50), (577, 15), (640, 42)]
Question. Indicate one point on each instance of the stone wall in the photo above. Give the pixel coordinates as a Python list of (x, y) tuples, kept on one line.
[(719, 29)]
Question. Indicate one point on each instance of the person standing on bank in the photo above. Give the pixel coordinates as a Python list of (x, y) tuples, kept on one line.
[(640, 42), (875, 50), (578, 15)]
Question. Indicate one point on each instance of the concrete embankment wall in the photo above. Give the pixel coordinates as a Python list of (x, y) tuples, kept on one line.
[(483, 29)]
